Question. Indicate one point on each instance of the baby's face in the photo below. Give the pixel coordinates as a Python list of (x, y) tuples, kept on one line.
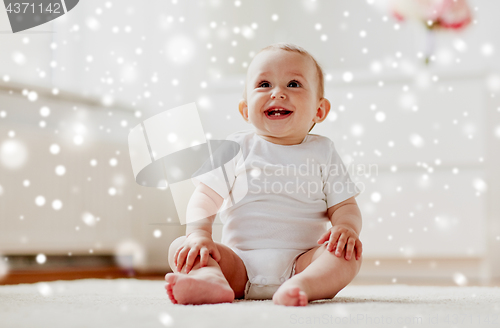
[(282, 96)]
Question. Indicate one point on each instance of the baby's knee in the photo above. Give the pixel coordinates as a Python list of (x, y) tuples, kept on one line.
[(174, 246), (358, 263)]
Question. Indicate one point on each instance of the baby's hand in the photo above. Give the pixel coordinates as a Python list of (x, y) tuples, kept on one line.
[(196, 243), (341, 236)]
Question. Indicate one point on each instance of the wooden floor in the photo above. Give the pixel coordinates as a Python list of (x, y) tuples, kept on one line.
[(32, 276)]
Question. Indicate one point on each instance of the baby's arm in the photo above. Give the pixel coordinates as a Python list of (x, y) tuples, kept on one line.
[(201, 211), (346, 226)]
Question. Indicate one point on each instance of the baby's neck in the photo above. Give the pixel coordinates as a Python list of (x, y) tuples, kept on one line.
[(284, 141)]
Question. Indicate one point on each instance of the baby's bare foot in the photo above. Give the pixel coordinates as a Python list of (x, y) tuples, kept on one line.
[(198, 289), (290, 296)]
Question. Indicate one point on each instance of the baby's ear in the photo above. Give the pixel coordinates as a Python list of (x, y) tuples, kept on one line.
[(322, 111), (243, 107)]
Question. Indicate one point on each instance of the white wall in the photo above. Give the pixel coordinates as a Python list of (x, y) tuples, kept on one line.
[(136, 70)]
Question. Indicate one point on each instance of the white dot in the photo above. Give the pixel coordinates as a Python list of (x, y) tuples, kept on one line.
[(113, 162), (274, 17), (41, 258), (44, 288), (78, 140), (26, 183), (172, 137), (60, 170), (417, 140), (255, 173), (54, 149), (347, 77), (32, 96), (375, 67), (480, 185), (157, 233), (332, 116), (362, 34), (124, 123), (166, 319), (324, 37), (497, 132), (93, 162), (357, 130), (487, 49), (376, 197), (460, 279), (112, 191), (317, 26), (57, 204), (40, 200), (89, 219), (13, 154), (380, 116), (44, 111), (460, 45)]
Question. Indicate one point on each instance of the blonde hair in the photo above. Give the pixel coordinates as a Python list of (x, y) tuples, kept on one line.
[(294, 48)]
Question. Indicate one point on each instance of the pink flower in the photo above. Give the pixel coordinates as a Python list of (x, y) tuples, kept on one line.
[(447, 14), (456, 14)]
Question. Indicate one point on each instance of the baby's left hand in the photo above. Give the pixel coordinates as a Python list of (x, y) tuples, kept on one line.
[(341, 236)]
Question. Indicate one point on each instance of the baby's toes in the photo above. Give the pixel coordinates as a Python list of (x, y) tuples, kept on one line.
[(303, 299), (170, 292), (171, 278)]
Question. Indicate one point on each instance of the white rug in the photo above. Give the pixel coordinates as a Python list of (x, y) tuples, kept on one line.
[(137, 303)]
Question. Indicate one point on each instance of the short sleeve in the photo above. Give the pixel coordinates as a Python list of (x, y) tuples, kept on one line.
[(219, 171), (337, 183)]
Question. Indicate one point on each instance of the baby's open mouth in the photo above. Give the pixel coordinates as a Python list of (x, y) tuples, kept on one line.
[(278, 113)]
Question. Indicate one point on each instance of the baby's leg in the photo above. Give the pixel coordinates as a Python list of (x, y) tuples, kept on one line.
[(319, 274), (214, 283)]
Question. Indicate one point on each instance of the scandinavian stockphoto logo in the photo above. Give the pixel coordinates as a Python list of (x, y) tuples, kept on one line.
[(170, 150), (24, 15)]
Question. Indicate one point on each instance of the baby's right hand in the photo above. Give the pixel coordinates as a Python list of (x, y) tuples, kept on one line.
[(197, 242)]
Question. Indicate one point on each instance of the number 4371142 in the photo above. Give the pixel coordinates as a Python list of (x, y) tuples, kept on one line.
[(26, 7)]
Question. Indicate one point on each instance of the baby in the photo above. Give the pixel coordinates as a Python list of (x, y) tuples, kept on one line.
[(276, 241)]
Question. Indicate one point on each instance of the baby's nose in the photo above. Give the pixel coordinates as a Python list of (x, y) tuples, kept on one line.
[(281, 96)]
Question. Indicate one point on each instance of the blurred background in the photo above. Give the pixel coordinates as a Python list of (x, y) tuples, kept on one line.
[(414, 88)]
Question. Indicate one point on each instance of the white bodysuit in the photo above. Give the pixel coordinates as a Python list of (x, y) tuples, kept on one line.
[(284, 211)]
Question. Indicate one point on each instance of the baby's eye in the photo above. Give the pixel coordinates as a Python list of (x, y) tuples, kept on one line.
[(264, 85), (294, 84)]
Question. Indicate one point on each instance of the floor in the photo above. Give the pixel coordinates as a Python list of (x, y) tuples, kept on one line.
[(142, 303)]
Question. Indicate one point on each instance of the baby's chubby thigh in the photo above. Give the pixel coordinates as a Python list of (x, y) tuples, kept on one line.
[(305, 259)]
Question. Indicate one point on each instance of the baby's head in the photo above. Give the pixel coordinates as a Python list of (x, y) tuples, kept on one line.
[(283, 95)]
